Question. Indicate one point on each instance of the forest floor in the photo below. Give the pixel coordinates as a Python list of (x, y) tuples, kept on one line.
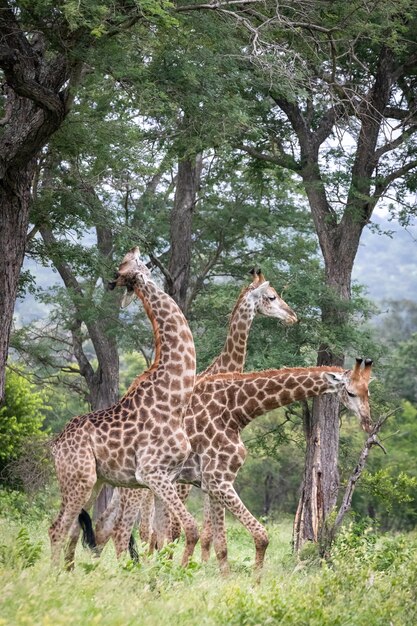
[(371, 579)]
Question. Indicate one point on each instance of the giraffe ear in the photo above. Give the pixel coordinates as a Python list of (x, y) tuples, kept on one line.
[(127, 299), (335, 378), (258, 291)]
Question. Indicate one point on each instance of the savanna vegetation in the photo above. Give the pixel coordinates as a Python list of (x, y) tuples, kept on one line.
[(217, 137)]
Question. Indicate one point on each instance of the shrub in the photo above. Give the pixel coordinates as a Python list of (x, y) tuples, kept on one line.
[(21, 418)]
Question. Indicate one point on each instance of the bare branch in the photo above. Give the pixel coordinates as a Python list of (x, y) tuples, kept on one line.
[(284, 160), (385, 182), (391, 145), (372, 440), (158, 263), (213, 6)]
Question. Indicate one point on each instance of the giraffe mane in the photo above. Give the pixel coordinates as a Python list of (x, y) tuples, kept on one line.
[(157, 338), (259, 278), (225, 376), (242, 294)]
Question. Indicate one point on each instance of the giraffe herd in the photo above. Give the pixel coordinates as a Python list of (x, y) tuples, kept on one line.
[(171, 426)]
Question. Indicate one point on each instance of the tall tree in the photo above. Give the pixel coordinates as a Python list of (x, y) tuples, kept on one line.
[(349, 133), (43, 53)]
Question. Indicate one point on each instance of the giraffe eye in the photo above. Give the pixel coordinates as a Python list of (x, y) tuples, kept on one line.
[(351, 395), (272, 298)]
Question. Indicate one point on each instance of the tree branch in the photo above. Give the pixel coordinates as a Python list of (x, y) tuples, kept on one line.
[(372, 440), (213, 6), (391, 145), (383, 183), (285, 160)]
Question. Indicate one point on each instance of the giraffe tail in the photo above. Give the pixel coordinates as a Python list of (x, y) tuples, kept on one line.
[(88, 538), (134, 554)]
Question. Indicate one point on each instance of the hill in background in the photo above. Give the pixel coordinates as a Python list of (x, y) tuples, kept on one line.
[(385, 264)]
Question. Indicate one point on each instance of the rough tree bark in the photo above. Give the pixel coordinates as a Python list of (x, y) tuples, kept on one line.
[(102, 382), (339, 242), (35, 103), (188, 183)]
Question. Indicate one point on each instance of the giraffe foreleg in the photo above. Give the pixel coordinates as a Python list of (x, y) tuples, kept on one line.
[(162, 524), (162, 487), (129, 506), (218, 527), (206, 536), (146, 516), (226, 495), (69, 549), (105, 522), (183, 492)]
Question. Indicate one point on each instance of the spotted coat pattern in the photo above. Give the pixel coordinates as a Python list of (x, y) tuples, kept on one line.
[(140, 440), (257, 298)]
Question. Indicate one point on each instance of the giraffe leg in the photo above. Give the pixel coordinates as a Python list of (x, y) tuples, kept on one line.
[(227, 496), (69, 549), (162, 524), (106, 521), (167, 526), (218, 530), (206, 536), (163, 488), (183, 492), (146, 516), (127, 515), (67, 519)]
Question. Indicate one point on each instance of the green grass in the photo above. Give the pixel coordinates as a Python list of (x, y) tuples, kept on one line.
[(371, 580)]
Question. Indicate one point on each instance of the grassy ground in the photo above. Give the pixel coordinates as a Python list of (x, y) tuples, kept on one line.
[(371, 580)]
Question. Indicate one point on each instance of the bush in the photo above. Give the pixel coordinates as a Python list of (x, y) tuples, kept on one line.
[(22, 553), (21, 417)]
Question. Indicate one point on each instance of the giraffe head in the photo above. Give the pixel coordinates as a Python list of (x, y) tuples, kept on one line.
[(352, 388), (266, 301), (130, 269)]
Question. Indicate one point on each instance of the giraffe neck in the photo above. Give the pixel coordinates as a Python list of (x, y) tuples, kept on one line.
[(253, 394), (174, 363), (232, 357)]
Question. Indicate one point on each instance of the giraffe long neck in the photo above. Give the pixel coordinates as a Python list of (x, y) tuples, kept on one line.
[(232, 357), (174, 363), (253, 394)]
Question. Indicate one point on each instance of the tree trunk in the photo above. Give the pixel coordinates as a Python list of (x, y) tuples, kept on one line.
[(103, 382), (268, 484), (14, 211), (320, 486), (188, 181)]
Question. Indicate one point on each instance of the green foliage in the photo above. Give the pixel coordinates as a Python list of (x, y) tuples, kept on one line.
[(390, 490), (21, 416), (372, 578), (18, 506), (22, 553), (387, 489), (269, 481), (401, 373), (131, 365), (161, 571), (360, 543)]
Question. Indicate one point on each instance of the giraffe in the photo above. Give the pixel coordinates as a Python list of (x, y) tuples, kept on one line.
[(139, 441), (117, 521), (222, 405)]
